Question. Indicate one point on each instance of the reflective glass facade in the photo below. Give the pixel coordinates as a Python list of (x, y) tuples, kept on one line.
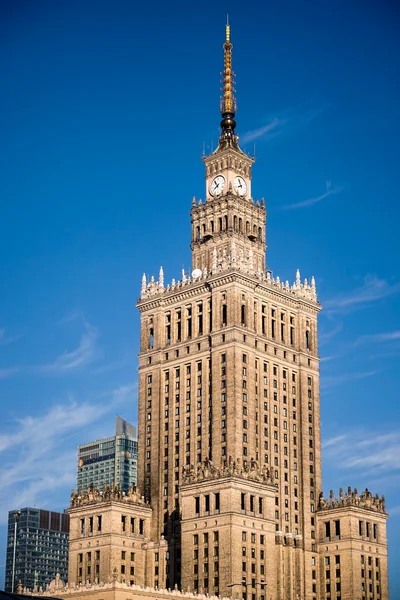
[(41, 548), (112, 459)]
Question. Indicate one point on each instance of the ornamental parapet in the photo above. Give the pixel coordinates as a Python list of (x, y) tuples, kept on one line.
[(302, 290), (206, 471), (109, 493), (351, 498), (58, 589)]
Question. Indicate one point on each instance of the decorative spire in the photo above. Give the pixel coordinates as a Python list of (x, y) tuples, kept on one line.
[(228, 101), (298, 279), (143, 283), (161, 278), (313, 286)]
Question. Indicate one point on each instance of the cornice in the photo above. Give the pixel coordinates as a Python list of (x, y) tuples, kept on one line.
[(181, 291), (172, 297), (228, 201), (254, 283)]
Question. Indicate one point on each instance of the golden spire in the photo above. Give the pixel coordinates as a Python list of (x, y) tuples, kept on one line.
[(228, 101)]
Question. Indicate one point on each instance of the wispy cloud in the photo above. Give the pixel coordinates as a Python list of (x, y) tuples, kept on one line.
[(39, 454), (333, 441), (364, 451), (268, 131), (372, 290), (6, 339), (84, 354), (5, 373), (330, 381), (390, 336), (285, 121), (325, 336), (329, 358), (330, 190)]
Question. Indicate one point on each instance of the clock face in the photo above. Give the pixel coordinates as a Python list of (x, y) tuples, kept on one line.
[(217, 185), (240, 186)]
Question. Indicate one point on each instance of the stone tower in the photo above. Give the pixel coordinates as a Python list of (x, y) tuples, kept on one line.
[(229, 406)]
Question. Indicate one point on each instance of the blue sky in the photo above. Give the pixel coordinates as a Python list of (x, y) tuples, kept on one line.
[(104, 110)]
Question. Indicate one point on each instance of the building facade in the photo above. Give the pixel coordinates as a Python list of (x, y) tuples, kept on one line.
[(41, 547), (110, 532), (112, 459), (229, 411)]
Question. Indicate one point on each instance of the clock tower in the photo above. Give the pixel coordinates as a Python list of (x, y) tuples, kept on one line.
[(229, 414), (229, 223)]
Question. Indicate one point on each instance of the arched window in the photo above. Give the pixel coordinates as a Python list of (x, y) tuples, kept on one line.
[(220, 223), (212, 226), (307, 340), (204, 228), (260, 234), (247, 227), (240, 224), (235, 223), (226, 222), (198, 236)]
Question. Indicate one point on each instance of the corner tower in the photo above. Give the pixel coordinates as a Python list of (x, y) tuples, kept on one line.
[(229, 222)]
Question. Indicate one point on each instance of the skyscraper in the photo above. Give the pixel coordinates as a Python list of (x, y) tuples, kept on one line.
[(41, 547), (229, 411), (112, 459)]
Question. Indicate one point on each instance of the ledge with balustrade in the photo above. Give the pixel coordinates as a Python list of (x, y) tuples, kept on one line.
[(301, 290)]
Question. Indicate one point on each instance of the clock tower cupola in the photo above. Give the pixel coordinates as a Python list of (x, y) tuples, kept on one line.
[(229, 222)]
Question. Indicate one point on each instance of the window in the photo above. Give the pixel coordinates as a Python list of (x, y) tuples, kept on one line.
[(337, 528), (224, 314)]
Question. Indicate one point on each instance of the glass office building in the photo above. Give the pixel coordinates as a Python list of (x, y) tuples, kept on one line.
[(112, 459), (41, 547)]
